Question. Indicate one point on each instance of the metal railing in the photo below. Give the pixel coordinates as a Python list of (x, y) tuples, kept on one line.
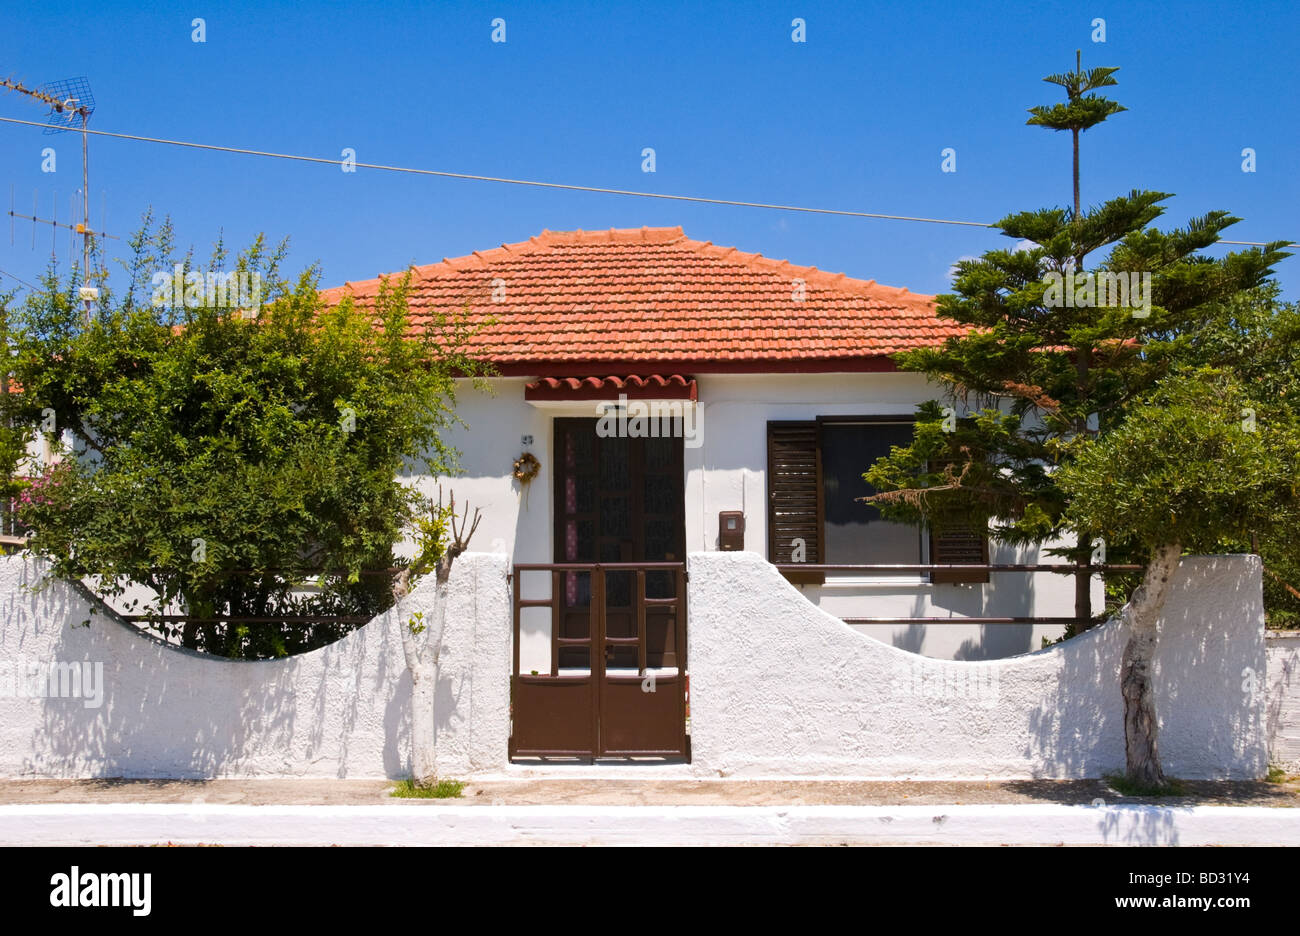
[(295, 579), (921, 568)]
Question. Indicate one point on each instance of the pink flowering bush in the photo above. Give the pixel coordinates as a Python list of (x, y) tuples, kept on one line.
[(43, 492)]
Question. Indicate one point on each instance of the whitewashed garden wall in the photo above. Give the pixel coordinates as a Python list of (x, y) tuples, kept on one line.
[(341, 711), (1283, 717), (778, 688)]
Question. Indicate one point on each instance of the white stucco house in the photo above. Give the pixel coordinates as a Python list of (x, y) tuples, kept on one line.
[(669, 461), (668, 387)]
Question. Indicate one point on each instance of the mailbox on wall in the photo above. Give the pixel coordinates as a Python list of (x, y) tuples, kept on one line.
[(731, 530)]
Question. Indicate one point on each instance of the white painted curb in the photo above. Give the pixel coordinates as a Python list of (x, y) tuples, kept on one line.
[(436, 824)]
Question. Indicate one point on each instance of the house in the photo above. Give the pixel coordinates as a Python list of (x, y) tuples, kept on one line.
[(676, 396), (674, 427)]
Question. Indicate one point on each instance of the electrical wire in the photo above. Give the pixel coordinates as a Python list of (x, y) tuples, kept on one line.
[(23, 281), (536, 184)]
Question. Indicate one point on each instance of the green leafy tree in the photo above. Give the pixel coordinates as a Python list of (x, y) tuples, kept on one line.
[(1054, 352), (1255, 336), (14, 438), (214, 448), (1196, 463)]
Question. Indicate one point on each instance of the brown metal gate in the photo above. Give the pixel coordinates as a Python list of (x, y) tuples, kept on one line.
[(616, 685)]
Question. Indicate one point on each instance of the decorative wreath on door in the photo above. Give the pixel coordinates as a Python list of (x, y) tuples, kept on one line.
[(526, 467)]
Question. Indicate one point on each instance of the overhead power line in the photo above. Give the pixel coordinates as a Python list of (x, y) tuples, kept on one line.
[(550, 185), (4, 273)]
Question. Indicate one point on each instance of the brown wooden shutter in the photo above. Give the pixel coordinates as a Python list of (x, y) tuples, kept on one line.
[(794, 495), (959, 545)]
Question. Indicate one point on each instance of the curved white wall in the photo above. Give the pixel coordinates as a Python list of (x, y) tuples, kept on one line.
[(780, 688), (341, 711)]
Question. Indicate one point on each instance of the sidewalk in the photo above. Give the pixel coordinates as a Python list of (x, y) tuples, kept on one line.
[(651, 812), (627, 792)]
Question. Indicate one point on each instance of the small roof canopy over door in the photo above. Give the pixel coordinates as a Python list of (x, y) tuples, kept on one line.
[(634, 387)]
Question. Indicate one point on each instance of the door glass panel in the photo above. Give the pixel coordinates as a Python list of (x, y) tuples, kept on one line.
[(579, 494), (659, 584), (659, 452), (621, 658), (579, 449), (577, 659), (614, 464), (660, 494), (615, 516), (618, 589), (660, 540), (579, 540), (577, 594)]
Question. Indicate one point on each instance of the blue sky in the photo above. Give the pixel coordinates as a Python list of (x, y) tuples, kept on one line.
[(855, 118)]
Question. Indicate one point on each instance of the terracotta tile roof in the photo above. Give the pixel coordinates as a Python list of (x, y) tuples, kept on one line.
[(634, 387), (645, 295)]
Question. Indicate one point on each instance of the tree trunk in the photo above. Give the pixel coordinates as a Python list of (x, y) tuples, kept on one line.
[(422, 645), (424, 684), (1075, 134), (422, 650), (1083, 577), (1083, 588), (1141, 752)]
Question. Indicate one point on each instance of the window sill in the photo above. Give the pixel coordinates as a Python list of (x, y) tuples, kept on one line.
[(858, 581)]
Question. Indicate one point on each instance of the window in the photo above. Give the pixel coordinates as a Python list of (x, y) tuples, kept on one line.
[(855, 533), (815, 472)]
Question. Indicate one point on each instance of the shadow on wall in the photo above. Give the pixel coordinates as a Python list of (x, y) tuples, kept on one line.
[(1213, 662), (1282, 722), (780, 688), (340, 711), (1078, 724), (1005, 595), (1206, 651), (997, 641), (171, 712)]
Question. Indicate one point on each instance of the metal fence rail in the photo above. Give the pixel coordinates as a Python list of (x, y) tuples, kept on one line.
[(1056, 568), (296, 577)]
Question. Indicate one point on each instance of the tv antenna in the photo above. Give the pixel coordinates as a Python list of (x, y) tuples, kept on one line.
[(71, 104)]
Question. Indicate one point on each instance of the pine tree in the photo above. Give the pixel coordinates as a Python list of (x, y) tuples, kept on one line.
[(1055, 353), (1081, 109)]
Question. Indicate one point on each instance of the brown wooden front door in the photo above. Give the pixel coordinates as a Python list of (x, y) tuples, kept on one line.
[(621, 500), (618, 500)]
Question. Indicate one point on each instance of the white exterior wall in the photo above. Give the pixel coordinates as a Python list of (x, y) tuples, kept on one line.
[(1284, 699), (341, 711), (515, 521), (728, 471), (780, 688)]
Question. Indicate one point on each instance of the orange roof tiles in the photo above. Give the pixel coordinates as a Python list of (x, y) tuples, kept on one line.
[(645, 295), (634, 387)]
